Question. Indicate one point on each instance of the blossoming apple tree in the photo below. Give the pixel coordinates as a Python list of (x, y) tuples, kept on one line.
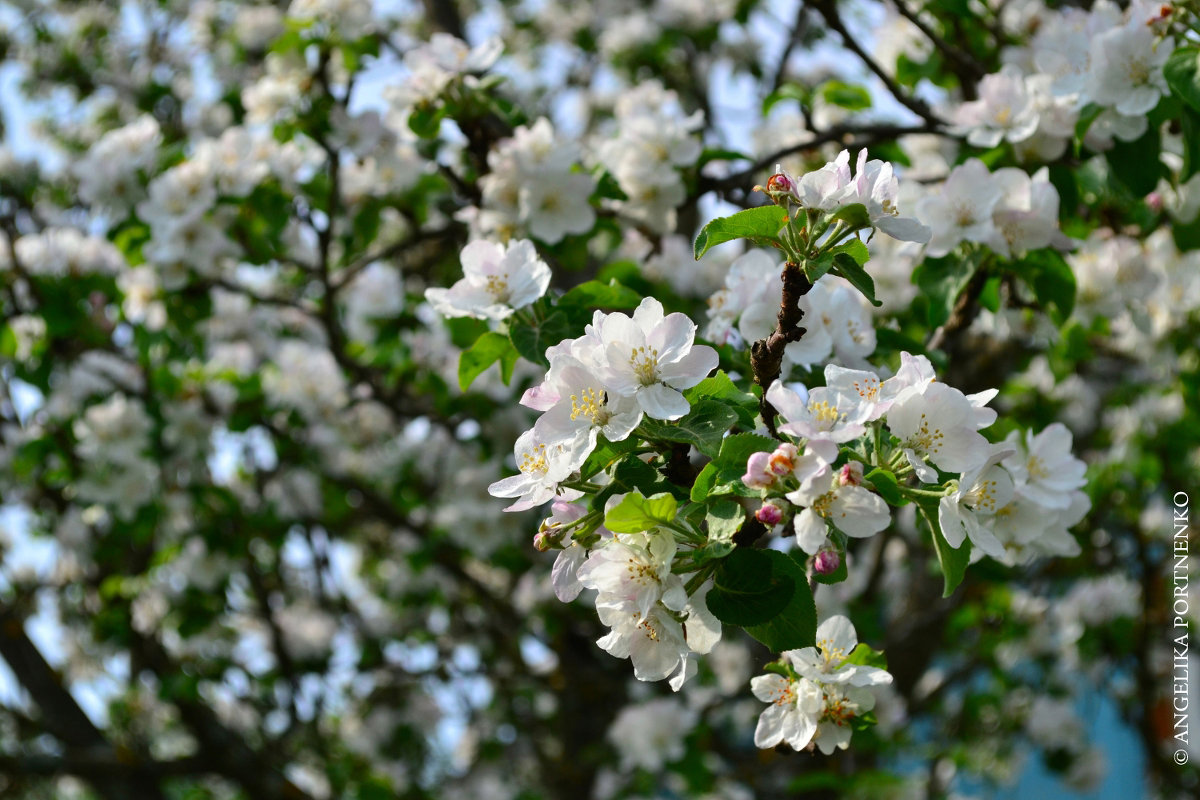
[(520, 400)]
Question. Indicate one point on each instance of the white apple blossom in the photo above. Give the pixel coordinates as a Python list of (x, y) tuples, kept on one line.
[(967, 512), (1003, 110), (820, 413), (1127, 68), (961, 210), (841, 704), (653, 642), (875, 186), (651, 357), (826, 663), (633, 571), (795, 706), (1044, 465), (584, 404), (541, 467), (497, 280), (825, 498), (937, 423)]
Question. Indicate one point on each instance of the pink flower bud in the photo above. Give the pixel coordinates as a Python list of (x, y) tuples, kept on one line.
[(781, 182), (769, 514), (783, 460), (851, 474), (1155, 201), (826, 562), (758, 474), (541, 541)]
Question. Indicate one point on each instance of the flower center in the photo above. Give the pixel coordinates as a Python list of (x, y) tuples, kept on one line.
[(926, 439), (497, 287), (824, 413), (534, 460), (833, 656), (822, 504), (589, 403), (644, 361), (1037, 468), (982, 496)]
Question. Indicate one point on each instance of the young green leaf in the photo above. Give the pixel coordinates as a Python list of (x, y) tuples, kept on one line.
[(636, 513), (760, 225), (487, 350)]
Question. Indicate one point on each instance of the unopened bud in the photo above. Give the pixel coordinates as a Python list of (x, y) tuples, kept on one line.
[(826, 562), (1155, 201), (851, 474), (780, 182), (769, 514), (541, 541), (758, 474), (783, 460)]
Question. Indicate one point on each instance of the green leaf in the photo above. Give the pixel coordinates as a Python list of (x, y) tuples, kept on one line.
[(425, 120), (796, 625), (720, 154), (866, 656), (789, 91), (720, 387), (595, 294), (886, 486), (605, 455), (636, 513), (487, 350), (723, 475), (1052, 281), (8, 342), (1190, 120), (845, 95), (1136, 164), (746, 589), (531, 341), (848, 268), (724, 519), (855, 249), (855, 215), (760, 225), (711, 551), (942, 280), (953, 560), (1182, 71), (704, 426)]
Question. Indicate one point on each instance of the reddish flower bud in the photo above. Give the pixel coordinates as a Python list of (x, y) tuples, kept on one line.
[(783, 460), (769, 514), (851, 474), (780, 182), (758, 474), (826, 562)]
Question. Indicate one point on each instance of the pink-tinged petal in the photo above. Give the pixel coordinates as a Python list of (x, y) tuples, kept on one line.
[(691, 369), (540, 398), (662, 402)]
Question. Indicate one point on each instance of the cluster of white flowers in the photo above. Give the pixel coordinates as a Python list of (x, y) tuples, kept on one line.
[(306, 377), (603, 382), (653, 139), (113, 438), (434, 65), (1007, 210), (112, 174), (837, 319), (533, 184), (497, 280), (819, 696), (1015, 501), (1076, 58), (653, 621), (61, 252)]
